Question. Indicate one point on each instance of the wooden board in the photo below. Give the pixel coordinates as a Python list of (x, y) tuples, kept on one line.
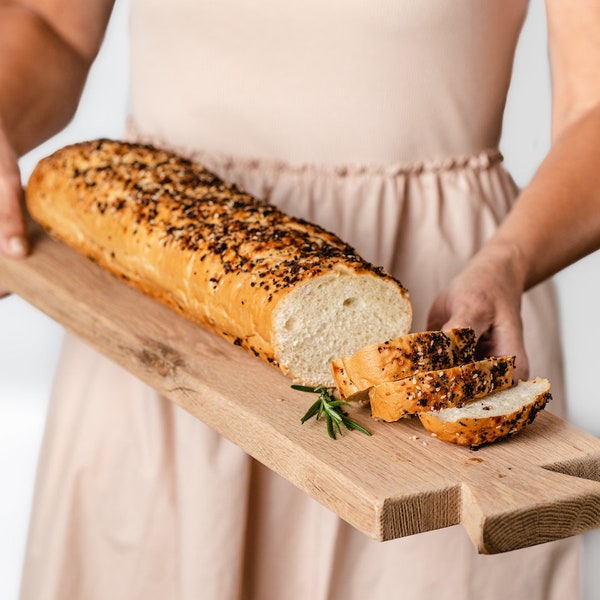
[(542, 485)]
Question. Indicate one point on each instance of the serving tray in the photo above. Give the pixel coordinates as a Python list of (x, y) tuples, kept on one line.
[(541, 485)]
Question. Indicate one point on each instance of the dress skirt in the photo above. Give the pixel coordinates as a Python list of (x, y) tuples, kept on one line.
[(137, 499)]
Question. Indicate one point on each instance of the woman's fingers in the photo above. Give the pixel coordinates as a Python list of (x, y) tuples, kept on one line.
[(13, 239), (461, 308), (13, 236), (487, 298), (505, 338)]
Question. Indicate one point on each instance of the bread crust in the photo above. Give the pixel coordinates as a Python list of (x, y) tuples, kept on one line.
[(477, 431), (403, 356), (434, 390), (183, 236), (345, 386)]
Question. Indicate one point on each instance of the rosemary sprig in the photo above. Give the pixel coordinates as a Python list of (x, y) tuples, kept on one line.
[(331, 409)]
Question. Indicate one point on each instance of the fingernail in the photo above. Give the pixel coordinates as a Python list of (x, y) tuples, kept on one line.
[(17, 247)]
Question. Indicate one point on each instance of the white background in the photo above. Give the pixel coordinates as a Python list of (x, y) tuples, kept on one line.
[(29, 342)]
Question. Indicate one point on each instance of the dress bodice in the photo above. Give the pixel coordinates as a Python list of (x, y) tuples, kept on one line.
[(324, 81)]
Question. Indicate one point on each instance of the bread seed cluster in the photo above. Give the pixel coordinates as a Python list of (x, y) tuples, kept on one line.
[(199, 212)]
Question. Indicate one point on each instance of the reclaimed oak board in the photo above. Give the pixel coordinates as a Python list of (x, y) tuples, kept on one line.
[(541, 485)]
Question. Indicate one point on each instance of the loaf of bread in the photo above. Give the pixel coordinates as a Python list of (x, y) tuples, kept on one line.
[(403, 356), (286, 290), (444, 388), (491, 418)]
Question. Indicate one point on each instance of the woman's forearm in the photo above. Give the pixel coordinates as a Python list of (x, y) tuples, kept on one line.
[(41, 74), (46, 49), (556, 219)]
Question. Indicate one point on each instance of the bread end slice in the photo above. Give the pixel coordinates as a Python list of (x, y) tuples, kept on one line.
[(491, 418)]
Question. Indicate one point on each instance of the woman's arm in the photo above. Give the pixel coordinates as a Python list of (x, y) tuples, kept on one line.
[(556, 219), (46, 50)]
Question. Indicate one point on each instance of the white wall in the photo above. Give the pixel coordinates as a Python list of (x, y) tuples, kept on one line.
[(525, 141), (29, 342)]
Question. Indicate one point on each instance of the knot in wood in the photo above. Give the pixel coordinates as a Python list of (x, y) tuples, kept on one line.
[(160, 358)]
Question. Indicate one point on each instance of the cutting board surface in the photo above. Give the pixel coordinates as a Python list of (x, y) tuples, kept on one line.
[(541, 485)]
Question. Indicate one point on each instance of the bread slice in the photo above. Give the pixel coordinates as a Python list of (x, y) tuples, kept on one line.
[(286, 290), (345, 386), (403, 356), (491, 418), (434, 390)]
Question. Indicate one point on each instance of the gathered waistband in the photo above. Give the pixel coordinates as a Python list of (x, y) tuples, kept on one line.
[(479, 161)]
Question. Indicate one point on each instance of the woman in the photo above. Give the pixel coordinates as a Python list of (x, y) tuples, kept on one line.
[(378, 123)]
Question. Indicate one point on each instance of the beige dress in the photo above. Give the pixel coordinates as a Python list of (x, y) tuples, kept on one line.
[(380, 121)]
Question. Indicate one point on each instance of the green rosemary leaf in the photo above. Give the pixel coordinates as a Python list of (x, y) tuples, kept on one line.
[(311, 411), (354, 425), (321, 409), (336, 403), (332, 413), (330, 429), (306, 388)]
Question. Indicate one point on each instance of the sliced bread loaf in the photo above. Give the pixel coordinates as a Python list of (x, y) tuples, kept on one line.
[(491, 418), (434, 390)]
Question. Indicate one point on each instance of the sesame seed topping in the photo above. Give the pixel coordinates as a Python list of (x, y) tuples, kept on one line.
[(197, 211)]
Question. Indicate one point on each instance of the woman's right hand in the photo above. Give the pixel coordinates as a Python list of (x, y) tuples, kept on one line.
[(13, 235)]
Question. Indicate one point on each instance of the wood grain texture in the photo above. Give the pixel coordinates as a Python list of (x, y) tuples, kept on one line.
[(541, 485)]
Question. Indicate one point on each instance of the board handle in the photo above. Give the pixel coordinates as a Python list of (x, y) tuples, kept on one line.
[(526, 506)]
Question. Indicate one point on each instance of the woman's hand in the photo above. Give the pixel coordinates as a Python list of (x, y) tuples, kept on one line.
[(486, 295), (13, 239), (556, 219)]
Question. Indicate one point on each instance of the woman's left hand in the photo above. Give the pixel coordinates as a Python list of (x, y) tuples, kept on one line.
[(486, 295)]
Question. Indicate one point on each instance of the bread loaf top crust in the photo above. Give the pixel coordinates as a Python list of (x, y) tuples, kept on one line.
[(199, 212), (202, 246)]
